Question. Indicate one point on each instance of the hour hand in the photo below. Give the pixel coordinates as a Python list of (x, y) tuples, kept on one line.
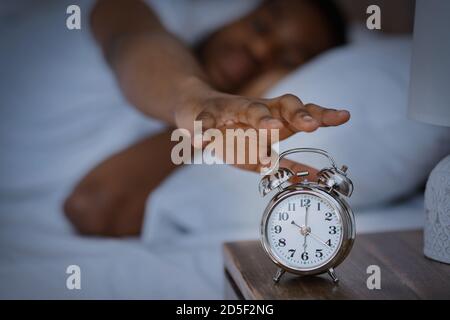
[(304, 230), (295, 224)]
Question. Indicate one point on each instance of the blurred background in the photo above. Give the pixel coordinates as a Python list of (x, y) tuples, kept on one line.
[(62, 114)]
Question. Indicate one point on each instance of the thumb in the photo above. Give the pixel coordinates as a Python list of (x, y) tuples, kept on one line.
[(204, 121)]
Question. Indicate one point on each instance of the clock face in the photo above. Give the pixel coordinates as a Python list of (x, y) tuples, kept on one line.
[(304, 231)]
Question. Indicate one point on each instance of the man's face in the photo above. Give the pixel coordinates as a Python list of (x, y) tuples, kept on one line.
[(278, 34)]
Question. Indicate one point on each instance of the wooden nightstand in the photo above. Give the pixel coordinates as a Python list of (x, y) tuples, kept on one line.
[(405, 272)]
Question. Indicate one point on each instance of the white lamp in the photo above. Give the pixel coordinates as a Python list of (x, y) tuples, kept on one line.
[(430, 103)]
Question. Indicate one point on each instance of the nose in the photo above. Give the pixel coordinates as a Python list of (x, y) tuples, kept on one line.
[(261, 48)]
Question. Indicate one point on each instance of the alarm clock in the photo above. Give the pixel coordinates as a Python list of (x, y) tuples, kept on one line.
[(307, 228)]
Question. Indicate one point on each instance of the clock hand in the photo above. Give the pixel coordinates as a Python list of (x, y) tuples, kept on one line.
[(318, 239), (302, 231), (304, 243), (306, 229), (306, 216), (293, 222)]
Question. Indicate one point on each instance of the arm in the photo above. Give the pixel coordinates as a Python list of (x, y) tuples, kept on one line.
[(153, 68), (160, 76)]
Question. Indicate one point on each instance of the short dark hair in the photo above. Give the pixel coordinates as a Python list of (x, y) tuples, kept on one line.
[(335, 19)]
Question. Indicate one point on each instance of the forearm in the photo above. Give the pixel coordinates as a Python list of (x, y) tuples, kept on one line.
[(160, 76), (155, 71)]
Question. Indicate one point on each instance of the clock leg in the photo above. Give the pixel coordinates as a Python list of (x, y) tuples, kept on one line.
[(333, 276), (278, 275)]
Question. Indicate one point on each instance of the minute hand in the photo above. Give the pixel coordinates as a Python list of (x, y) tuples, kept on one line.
[(306, 216), (306, 227)]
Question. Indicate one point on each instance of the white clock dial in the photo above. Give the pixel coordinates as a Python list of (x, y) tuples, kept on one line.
[(304, 231)]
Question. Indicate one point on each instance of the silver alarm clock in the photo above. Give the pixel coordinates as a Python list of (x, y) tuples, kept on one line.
[(307, 228)]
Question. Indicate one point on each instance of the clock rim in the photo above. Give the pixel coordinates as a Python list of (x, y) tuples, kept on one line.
[(341, 206)]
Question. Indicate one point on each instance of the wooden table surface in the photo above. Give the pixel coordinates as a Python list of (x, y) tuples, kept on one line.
[(405, 272)]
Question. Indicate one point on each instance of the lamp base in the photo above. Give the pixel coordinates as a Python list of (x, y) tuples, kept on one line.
[(437, 211)]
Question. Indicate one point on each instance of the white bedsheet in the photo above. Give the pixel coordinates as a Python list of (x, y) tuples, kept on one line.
[(166, 263)]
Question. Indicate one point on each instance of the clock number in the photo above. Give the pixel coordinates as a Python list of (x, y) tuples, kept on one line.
[(291, 251), (328, 216), (319, 253), (318, 206), (291, 207), (283, 216), (305, 256), (305, 202), (328, 242), (332, 230), (282, 242), (277, 229)]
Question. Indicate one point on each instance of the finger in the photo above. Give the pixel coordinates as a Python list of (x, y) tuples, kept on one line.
[(328, 117), (266, 162), (266, 166), (208, 121), (258, 115), (293, 111)]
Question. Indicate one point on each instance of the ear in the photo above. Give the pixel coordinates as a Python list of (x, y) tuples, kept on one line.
[(274, 180)]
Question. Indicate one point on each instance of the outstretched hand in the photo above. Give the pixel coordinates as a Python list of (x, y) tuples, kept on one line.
[(286, 113)]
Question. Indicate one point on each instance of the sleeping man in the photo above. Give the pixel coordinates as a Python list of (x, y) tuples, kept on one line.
[(220, 81)]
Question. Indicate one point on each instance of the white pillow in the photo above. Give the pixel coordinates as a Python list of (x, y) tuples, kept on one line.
[(389, 156)]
